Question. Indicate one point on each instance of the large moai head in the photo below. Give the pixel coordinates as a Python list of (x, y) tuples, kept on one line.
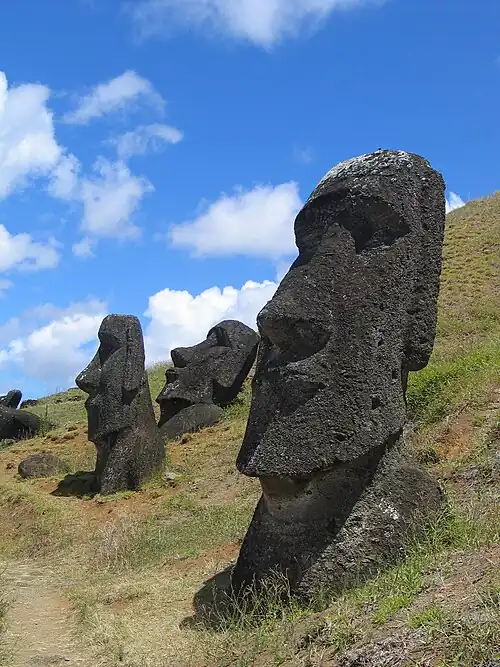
[(120, 413), (210, 373), (355, 313)]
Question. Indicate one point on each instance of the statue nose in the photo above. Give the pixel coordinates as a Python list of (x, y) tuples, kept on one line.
[(88, 380)]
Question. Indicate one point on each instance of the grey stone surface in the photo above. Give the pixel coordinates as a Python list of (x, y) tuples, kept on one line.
[(42, 464), (190, 419), (11, 399), (210, 373), (121, 420), (18, 424), (353, 316)]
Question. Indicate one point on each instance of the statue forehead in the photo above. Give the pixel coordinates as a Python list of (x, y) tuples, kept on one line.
[(366, 169), (116, 326)]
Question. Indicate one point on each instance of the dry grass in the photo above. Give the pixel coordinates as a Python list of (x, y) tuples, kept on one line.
[(131, 564)]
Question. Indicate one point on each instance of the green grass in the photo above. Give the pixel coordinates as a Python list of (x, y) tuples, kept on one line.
[(441, 388), (183, 530)]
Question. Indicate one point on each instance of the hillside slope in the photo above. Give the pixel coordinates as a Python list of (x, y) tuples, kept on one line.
[(120, 573)]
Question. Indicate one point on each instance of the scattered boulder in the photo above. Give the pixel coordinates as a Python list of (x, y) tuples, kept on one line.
[(18, 424), (121, 421), (12, 399), (209, 374), (43, 464), (354, 315)]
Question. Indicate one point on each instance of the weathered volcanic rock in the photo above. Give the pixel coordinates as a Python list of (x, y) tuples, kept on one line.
[(18, 424), (12, 399), (210, 373), (121, 420), (353, 316), (190, 420), (43, 464)]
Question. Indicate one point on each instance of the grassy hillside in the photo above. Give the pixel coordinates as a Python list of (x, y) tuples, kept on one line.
[(111, 581)]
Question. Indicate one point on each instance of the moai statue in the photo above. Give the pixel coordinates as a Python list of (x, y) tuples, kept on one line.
[(18, 424), (11, 399), (205, 378), (355, 313), (121, 420)]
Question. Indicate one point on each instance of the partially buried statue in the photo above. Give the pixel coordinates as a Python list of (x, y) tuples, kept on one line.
[(18, 424), (205, 378), (121, 420), (355, 313)]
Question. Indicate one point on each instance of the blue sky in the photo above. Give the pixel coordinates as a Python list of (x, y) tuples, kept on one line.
[(153, 154)]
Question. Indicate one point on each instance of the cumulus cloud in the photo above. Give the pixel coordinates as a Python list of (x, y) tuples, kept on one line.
[(28, 147), (146, 138), (178, 318), (127, 90), (52, 344), (262, 22), (110, 198), (454, 201), (64, 181), (258, 222), (22, 253)]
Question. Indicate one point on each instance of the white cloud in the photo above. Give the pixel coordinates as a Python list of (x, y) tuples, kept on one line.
[(4, 286), (125, 90), (64, 179), (110, 198), (22, 253), (263, 22), (258, 223), (56, 351), (84, 248), (146, 138), (178, 318), (28, 147), (454, 201)]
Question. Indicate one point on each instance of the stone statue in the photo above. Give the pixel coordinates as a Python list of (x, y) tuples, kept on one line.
[(121, 420), (205, 378), (11, 399), (18, 424), (355, 313)]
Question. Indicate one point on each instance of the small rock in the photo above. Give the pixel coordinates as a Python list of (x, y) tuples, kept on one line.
[(43, 464), (171, 477)]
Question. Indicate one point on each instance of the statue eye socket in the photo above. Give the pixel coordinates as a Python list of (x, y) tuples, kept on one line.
[(296, 338), (371, 222)]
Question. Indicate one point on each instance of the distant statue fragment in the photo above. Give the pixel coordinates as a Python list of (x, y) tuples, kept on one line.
[(121, 420), (355, 313), (11, 399), (205, 378)]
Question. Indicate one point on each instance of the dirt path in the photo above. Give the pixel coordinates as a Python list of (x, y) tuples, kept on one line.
[(40, 620)]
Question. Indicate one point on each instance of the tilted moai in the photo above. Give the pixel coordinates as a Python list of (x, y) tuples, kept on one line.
[(121, 421), (355, 313), (11, 399), (205, 378)]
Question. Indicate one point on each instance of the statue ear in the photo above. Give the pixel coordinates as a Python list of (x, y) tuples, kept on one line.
[(134, 357)]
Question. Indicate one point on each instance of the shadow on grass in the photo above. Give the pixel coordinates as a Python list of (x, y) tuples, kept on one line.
[(212, 603), (81, 484)]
